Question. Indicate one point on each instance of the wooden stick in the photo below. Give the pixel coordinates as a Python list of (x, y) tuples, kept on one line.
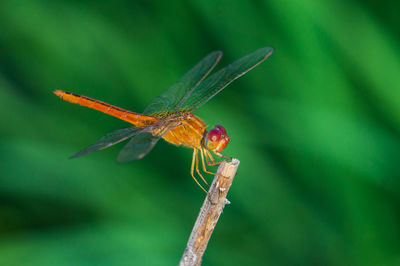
[(209, 213)]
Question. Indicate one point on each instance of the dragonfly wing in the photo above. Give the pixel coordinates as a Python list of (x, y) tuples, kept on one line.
[(218, 81), (140, 145), (108, 140), (178, 92)]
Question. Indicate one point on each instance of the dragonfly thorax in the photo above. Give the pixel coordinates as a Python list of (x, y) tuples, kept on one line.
[(216, 139), (189, 132)]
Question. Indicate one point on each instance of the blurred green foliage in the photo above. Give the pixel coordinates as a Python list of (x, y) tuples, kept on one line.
[(316, 128)]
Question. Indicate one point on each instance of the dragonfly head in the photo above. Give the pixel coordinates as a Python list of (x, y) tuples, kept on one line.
[(216, 139)]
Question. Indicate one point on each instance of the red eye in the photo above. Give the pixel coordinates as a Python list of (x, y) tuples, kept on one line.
[(214, 135), (221, 128)]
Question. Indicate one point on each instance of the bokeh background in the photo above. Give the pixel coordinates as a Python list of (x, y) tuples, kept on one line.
[(316, 128)]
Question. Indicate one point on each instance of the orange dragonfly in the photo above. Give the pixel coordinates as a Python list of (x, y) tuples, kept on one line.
[(169, 116)]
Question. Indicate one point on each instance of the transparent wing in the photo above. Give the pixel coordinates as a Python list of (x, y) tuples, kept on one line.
[(178, 92), (109, 140), (218, 81), (140, 145)]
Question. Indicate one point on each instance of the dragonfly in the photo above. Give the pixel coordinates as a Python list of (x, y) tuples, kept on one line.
[(170, 115)]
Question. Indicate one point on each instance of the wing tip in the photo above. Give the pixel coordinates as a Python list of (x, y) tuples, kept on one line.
[(268, 51), (217, 53), (73, 156)]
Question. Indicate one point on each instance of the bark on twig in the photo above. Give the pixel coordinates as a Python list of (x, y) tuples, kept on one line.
[(209, 213)]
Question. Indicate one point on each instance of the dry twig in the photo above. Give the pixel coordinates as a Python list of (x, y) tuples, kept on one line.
[(209, 213)]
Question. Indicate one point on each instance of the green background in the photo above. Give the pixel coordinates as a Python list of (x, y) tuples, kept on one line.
[(316, 128)]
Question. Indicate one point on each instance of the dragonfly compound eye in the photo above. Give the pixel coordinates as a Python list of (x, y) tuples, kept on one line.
[(221, 129), (214, 135)]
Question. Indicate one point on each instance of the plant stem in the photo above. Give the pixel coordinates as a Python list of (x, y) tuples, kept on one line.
[(209, 213)]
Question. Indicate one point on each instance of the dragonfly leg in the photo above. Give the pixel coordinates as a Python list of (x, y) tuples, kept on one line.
[(192, 170), (204, 153), (203, 163), (213, 162), (197, 168), (223, 156)]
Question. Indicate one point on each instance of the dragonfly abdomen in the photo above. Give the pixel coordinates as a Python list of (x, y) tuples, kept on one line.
[(128, 116)]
